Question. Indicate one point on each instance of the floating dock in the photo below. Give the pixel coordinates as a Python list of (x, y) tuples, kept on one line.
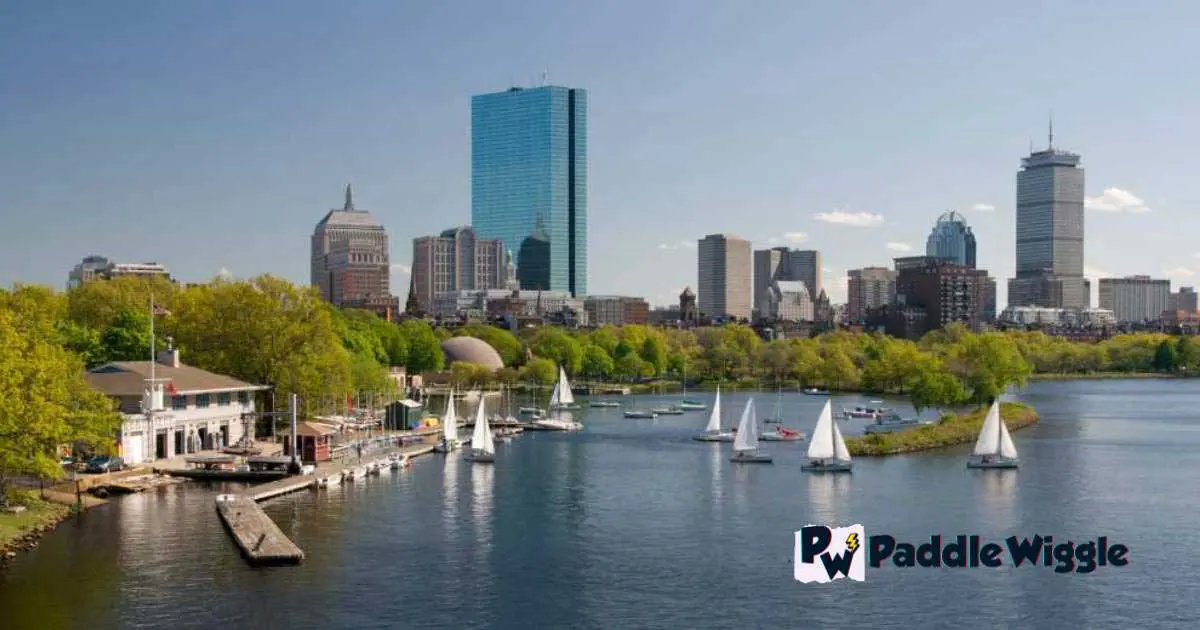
[(259, 538), (256, 535)]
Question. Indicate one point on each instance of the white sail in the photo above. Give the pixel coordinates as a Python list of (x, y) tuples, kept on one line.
[(746, 440), (1007, 448), (565, 396), (821, 446), (989, 436), (840, 452), (488, 445), (714, 418), (554, 396), (450, 420), (482, 435)]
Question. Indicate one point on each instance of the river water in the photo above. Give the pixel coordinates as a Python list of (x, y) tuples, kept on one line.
[(630, 524)]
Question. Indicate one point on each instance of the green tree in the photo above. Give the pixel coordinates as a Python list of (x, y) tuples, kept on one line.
[(128, 338), (596, 362), (654, 354), (557, 346), (1187, 355), (606, 337), (83, 341), (465, 375), (1165, 357), (988, 364), (45, 403), (424, 350), (540, 371)]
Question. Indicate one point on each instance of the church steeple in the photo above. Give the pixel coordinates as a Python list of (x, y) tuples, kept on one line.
[(349, 207), (412, 308)]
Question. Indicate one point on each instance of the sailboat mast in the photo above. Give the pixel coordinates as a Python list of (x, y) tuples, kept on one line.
[(999, 429)]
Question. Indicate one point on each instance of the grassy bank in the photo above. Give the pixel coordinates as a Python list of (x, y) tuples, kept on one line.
[(1105, 376), (951, 430), (21, 530)]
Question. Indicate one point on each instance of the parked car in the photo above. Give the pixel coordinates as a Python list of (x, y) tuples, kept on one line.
[(105, 464)]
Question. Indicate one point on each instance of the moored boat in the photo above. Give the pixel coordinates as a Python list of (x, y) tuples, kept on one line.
[(640, 414), (994, 448), (667, 411), (869, 413), (892, 423), (713, 432), (813, 391), (483, 449), (782, 434), (827, 452), (745, 444)]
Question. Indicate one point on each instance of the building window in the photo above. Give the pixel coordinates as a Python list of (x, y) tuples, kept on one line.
[(223, 400), (243, 398), (201, 401), (179, 403)]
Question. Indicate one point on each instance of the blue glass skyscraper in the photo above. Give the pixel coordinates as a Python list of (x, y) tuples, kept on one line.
[(952, 239), (529, 182)]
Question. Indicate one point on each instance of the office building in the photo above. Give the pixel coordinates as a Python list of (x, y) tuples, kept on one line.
[(101, 268), (457, 260), (787, 301), (724, 276), (952, 239), (781, 263), (1184, 300), (868, 288), (934, 294), (1050, 232), (351, 261), (616, 310), (529, 182), (1135, 299)]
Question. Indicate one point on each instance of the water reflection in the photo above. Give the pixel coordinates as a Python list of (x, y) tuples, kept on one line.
[(450, 493), (998, 497), (827, 494), (482, 489), (716, 464)]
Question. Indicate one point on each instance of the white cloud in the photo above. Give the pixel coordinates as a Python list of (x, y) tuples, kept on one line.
[(983, 207), (404, 269), (1116, 200), (1179, 272), (852, 219), (670, 247), (1196, 255), (899, 247), (1093, 272), (795, 237)]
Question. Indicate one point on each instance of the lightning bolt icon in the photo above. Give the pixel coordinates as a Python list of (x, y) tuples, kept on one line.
[(852, 542)]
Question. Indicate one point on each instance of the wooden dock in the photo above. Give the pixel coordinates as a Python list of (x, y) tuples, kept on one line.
[(256, 535), (259, 538)]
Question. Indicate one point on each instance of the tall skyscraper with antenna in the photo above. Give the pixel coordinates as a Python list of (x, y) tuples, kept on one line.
[(1050, 230)]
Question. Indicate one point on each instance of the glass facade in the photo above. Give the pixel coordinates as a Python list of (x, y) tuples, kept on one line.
[(529, 182), (952, 239)]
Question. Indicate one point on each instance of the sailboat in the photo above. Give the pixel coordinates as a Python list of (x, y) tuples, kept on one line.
[(712, 432), (686, 404), (827, 452), (562, 398), (450, 439), (483, 449), (994, 448), (745, 444)]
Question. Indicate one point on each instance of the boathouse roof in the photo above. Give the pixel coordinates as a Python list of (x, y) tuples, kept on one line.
[(128, 378)]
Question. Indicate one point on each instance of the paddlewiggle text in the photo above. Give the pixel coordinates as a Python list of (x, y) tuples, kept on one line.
[(824, 554)]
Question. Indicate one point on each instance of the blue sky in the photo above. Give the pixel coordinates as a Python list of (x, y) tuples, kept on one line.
[(213, 135)]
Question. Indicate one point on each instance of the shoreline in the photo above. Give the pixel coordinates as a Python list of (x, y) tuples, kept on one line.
[(952, 430), (41, 516)]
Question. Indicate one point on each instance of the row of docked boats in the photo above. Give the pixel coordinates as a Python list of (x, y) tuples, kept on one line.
[(393, 461)]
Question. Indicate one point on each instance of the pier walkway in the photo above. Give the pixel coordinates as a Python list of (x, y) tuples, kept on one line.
[(257, 536)]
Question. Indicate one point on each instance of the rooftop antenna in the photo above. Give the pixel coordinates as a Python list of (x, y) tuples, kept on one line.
[(1051, 146), (543, 78)]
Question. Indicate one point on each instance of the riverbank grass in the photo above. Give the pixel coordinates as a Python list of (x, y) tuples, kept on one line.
[(38, 515), (951, 430)]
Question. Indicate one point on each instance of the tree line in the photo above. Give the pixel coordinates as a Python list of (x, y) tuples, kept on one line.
[(269, 331)]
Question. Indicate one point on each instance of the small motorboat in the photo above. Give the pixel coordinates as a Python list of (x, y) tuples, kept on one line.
[(636, 414), (782, 434), (692, 405), (813, 391), (667, 411), (869, 413), (604, 404), (529, 411), (892, 423)]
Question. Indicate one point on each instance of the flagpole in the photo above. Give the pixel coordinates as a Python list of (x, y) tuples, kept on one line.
[(150, 412)]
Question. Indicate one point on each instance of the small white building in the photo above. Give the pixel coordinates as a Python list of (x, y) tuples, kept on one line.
[(190, 409)]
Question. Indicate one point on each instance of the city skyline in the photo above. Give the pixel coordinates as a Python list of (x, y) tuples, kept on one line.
[(253, 152)]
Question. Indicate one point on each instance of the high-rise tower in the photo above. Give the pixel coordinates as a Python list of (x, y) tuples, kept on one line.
[(1050, 189), (351, 260), (952, 239), (529, 170)]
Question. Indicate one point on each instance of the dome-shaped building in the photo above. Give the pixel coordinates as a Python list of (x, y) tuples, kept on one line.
[(471, 350)]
